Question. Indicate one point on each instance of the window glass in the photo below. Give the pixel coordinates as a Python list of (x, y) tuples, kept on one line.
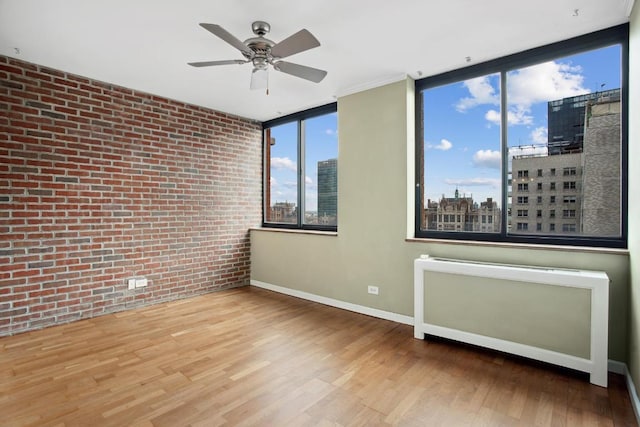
[(321, 170), (282, 155), (563, 114), (462, 162)]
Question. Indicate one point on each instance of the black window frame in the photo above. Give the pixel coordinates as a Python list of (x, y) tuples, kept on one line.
[(618, 35), (298, 117)]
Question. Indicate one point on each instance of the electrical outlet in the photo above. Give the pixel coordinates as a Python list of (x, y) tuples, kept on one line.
[(372, 290), (141, 282), (131, 283)]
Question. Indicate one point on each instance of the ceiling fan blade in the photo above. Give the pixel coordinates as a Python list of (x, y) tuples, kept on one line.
[(296, 43), (259, 79), (210, 63), (217, 30), (313, 74)]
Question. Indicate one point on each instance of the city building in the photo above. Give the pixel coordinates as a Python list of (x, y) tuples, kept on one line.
[(546, 193), (328, 191), (566, 120), (283, 212), (601, 187), (462, 214), (575, 188)]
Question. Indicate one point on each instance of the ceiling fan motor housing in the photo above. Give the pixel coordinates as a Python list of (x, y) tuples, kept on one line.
[(260, 28)]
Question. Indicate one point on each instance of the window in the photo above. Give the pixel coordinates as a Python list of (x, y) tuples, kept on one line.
[(552, 199), (568, 228), (301, 170), (568, 199), (539, 200), (569, 213), (523, 212), (539, 213), (552, 213), (483, 128), (552, 227), (539, 226), (523, 200), (522, 226)]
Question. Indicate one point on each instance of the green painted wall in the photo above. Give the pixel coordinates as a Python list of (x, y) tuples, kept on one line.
[(375, 214), (634, 200)]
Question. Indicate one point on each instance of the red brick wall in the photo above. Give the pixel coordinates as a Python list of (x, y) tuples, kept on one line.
[(99, 183)]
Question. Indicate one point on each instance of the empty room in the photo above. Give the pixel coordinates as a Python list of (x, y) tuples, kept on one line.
[(319, 213)]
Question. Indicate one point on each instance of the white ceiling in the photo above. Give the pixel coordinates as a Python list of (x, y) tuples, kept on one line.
[(146, 44)]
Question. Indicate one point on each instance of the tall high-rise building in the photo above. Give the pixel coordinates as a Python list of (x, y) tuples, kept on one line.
[(566, 120), (328, 191)]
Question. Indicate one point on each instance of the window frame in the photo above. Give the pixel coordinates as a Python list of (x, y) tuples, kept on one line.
[(618, 35), (299, 118)]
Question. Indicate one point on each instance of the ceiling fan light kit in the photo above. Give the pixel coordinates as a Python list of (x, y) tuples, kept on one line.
[(262, 52)]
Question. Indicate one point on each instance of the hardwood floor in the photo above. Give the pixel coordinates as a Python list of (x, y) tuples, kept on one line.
[(252, 357)]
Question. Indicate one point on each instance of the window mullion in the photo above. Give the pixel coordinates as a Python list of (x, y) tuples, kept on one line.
[(505, 153), (301, 172)]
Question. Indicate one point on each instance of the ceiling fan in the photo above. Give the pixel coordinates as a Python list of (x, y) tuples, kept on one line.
[(262, 52)]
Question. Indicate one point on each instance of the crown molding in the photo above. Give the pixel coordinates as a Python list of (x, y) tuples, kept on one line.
[(628, 7)]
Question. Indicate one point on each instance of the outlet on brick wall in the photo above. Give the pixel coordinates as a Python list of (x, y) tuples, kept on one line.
[(99, 183)]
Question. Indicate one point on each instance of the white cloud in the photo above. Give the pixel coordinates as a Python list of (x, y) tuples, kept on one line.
[(309, 185), (539, 135), (273, 181), (487, 159), (283, 163), (474, 182), (527, 86), (493, 116), (544, 82), (481, 91), (519, 116), (515, 116), (444, 145), (331, 132)]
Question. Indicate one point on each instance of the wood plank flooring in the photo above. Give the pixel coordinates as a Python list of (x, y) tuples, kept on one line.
[(252, 357)]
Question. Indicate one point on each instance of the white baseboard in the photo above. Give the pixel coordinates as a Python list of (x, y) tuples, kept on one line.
[(633, 394), (613, 365), (617, 367), (622, 369), (374, 312)]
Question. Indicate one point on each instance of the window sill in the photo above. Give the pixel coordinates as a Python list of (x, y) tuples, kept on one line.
[(543, 247), (295, 231)]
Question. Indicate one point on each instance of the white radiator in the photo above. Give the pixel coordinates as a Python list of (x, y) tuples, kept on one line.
[(557, 316)]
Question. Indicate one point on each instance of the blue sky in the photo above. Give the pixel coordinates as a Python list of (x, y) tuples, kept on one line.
[(462, 130), (321, 137)]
